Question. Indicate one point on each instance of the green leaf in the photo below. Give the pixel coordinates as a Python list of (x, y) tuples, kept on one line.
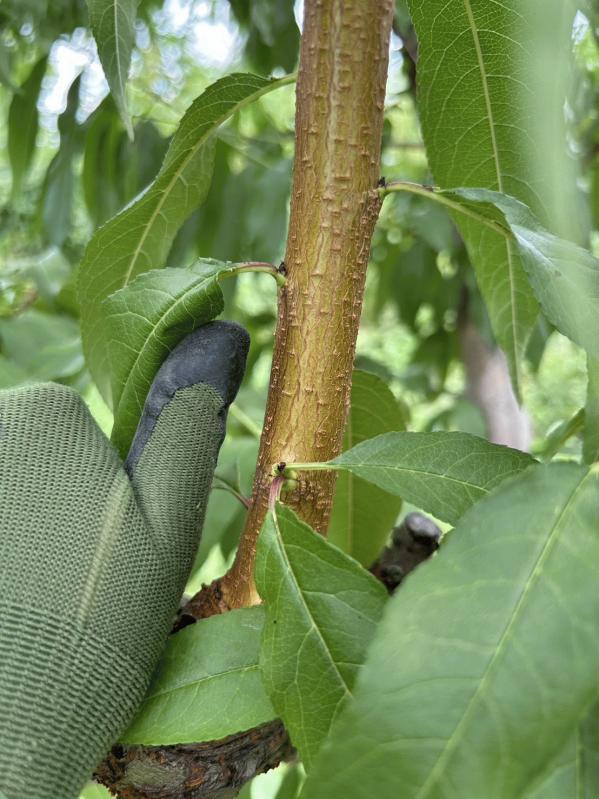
[(442, 473), (113, 26), (590, 442), (485, 659), (140, 236), (49, 270), (575, 770), (93, 791), (56, 199), (207, 684), (273, 36), (587, 744), (564, 276), (559, 780), (292, 782), (146, 319), (23, 123), (322, 608), (480, 101), (560, 435), (45, 346), (5, 68), (114, 168), (101, 162), (363, 514), (11, 374)]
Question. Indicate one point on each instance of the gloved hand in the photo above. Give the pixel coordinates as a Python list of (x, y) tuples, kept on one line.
[(94, 557)]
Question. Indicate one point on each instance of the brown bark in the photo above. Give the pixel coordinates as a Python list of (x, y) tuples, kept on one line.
[(211, 770), (334, 207)]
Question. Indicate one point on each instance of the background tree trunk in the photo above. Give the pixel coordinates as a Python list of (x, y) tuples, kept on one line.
[(488, 385)]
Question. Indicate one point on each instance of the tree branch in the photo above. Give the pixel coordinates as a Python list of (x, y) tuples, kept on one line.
[(334, 207), (211, 770)]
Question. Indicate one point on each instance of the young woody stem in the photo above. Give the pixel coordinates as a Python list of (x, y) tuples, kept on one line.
[(334, 207)]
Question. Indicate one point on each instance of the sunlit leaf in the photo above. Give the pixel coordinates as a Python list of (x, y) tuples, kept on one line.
[(322, 608), (93, 791), (442, 473), (113, 26), (485, 659)]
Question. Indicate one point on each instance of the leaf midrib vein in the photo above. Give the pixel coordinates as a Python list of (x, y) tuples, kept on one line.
[(194, 683), (495, 149), (439, 475), (306, 608)]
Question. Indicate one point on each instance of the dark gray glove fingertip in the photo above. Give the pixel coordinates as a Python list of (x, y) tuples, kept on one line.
[(214, 354)]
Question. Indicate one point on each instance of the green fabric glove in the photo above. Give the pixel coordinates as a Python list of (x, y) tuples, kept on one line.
[(94, 557)]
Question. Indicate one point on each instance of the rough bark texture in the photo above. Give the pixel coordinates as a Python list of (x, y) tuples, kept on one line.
[(334, 207), (211, 770), (207, 602)]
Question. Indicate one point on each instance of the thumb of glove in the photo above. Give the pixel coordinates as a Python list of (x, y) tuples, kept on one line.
[(173, 454)]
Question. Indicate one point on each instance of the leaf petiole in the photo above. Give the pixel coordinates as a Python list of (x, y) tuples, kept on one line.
[(435, 194), (255, 266), (310, 467)]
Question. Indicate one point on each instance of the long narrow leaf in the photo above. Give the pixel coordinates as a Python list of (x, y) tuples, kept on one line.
[(139, 238), (207, 684), (443, 473), (23, 124), (113, 25), (322, 608)]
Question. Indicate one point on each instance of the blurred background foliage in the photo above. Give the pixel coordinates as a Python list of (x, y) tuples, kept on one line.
[(67, 165)]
